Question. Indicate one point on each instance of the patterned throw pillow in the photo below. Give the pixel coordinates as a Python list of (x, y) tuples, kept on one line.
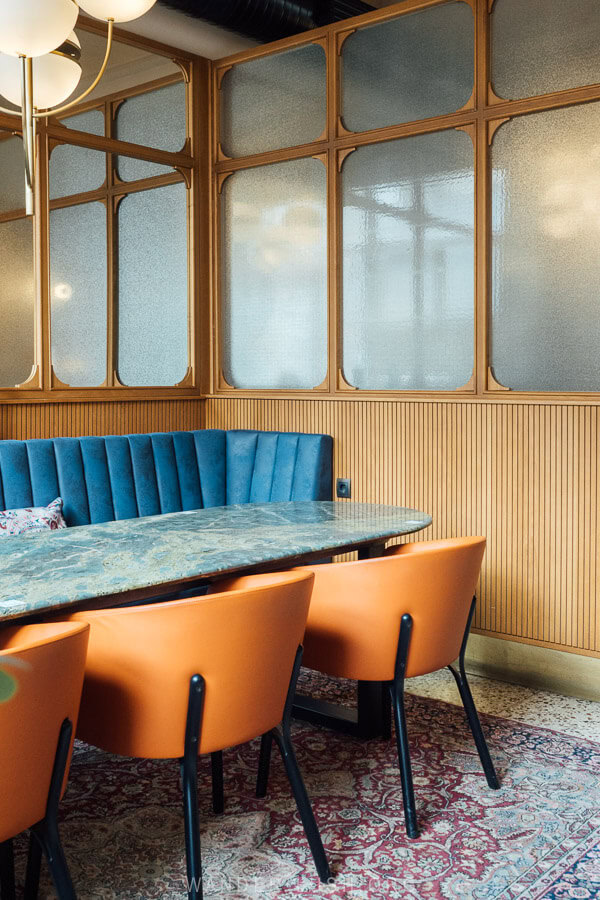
[(34, 519)]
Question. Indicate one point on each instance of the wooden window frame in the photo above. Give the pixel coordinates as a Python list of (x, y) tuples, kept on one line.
[(481, 117), (191, 166)]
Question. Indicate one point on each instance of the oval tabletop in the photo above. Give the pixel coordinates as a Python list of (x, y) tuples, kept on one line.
[(133, 558)]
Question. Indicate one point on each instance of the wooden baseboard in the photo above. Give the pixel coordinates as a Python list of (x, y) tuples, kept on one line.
[(537, 667)]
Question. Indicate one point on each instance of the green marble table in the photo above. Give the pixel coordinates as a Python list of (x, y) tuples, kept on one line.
[(100, 565)]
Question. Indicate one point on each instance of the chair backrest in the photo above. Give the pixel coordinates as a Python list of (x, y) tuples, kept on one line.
[(434, 582), (125, 476), (47, 662), (141, 659)]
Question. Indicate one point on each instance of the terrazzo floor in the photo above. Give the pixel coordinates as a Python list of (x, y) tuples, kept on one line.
[(578, 718)]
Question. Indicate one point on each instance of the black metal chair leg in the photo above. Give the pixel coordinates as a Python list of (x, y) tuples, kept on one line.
[(7, 871), (47, 832), (406, 779), (32, 875), (189, 777), (218, 796), (264, 764), (470, 709), (303, 803)]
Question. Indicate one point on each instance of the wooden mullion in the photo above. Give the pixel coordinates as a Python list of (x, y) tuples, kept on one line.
[(111, 254), (122, 148), (482, 204), (556, 100)]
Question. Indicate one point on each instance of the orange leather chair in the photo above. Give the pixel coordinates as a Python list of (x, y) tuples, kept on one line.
[(46, 663), (193, 676), (388, 619)]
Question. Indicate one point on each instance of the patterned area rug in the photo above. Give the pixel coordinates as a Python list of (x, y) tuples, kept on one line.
[(538, 838)]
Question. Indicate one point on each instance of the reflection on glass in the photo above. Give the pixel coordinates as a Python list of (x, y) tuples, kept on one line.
[(16, 301), (413, 67), (273, 102), (275, 276), (408, 263), (545, 264), (155, 119), (12, 176), (78, 294), (153, 287), (544, 45)]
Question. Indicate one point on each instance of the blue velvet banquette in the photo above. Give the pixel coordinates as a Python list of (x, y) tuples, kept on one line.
[(122, 477)]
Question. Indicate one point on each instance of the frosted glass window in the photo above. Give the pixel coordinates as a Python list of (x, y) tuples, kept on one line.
[(414, 67), (408, 263), (16, 302), (155, 119), (92, 122), (153, 287), (274, 102), (75, 170), (545, 262), (274, 246), (78, 293), (12, 174), (543, 46)]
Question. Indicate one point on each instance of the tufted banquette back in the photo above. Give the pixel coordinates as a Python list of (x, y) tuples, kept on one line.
[(122, 477)]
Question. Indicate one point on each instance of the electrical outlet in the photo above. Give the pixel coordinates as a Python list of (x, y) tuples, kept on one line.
[(343, 488)]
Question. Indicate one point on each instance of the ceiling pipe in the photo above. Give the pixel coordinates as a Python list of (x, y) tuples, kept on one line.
[(269, 20)]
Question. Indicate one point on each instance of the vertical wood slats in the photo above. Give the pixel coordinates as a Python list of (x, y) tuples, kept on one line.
[(41, 420), (524, 475)]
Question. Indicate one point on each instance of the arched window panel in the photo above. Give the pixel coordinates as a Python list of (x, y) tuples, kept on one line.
[(75, 170), (153, 119), (408, 263), (153, 287), (78, 296), (414, 67), (543, 46), (17, 294), (274, 276), (12, 173), (274, 102), (545, 315)]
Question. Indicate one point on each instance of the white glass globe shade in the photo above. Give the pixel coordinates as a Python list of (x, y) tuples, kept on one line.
[(35, 27), (55, 77), (119, 10)]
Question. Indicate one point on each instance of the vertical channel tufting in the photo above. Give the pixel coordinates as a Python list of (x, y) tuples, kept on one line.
[(71, 481), (264, 467), (15, 472), (144, 474), (43, 472), (312, 473), (166, 473), (187, 469), (241, 453), (211, 456), (97, 479), (2, 503), (285, 462), (120, 468)]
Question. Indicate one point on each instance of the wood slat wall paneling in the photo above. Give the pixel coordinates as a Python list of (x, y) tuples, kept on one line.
[(524, 475)]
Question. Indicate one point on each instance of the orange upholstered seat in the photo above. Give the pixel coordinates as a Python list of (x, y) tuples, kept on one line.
[(46, 664), (390, 618), (192, 676)]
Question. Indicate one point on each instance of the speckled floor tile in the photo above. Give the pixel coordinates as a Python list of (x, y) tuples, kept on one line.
[(580, 718)]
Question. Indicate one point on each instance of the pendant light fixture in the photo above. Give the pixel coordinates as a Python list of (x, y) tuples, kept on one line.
[(40, 60)]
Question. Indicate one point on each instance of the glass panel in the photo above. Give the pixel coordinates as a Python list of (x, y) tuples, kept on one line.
[(414, 67), (12, 174), (153, 287), (155, 119), (16, 302), (78, 293), (74, 170), (408, 263), (275, 276), (544, 45), (273, 102), (545, 264), (127, 67), (92, 122)]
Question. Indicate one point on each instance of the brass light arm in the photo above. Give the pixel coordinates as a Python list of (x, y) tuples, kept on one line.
[(44, 113), (28, 130)]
